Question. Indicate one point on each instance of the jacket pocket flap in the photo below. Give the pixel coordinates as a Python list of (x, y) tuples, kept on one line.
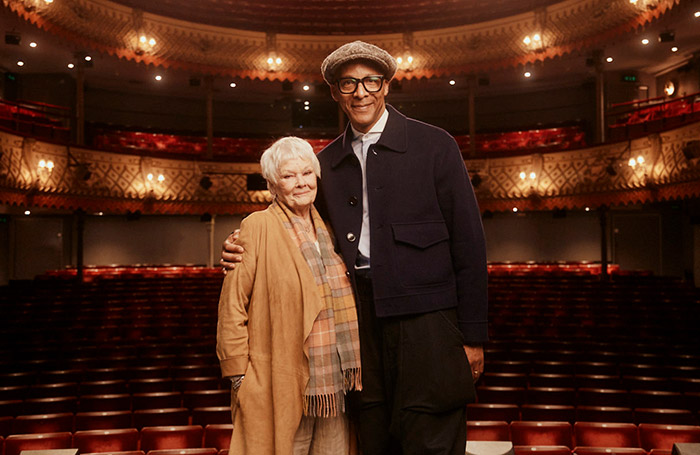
[(421, 235)]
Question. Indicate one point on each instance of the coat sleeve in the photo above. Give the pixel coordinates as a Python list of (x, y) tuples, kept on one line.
[(232, 326), (467, 244)]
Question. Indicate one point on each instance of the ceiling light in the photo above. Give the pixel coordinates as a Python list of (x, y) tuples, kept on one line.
[(609, 59), (32, 44), (27, 212), (452, 82), (306, 103), (71, 66), (306, 88), (158, 77), (587, 209), (674, 49), (88, 58), (527, 74), (645, 41), (515, 209), (306, 108), (697, 14), (20, 63), (232, 85)]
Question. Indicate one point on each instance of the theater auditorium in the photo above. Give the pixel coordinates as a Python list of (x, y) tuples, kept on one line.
[(130, 136)]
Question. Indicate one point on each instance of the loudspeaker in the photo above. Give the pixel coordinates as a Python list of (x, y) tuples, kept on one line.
[(489, 448), (685, 448)]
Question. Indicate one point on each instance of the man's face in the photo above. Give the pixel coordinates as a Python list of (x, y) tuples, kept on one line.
[(362, 107)]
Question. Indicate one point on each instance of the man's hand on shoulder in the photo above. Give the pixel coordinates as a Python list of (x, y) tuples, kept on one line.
[(231, 252)]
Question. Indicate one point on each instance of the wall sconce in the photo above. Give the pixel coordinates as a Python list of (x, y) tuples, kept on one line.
[(46, 166), (634, 162), (160, 178), (273, 62), (531, 175)]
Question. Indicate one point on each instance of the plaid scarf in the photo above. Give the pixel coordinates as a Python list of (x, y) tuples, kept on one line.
[(334, 341)]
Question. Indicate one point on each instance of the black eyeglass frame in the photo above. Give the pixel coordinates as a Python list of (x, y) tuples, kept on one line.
[(358, 82)]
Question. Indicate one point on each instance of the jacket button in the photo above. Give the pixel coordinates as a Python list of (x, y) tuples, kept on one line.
[(350, 236), (352, 201)]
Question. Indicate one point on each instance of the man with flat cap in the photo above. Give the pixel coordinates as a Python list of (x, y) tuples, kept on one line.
[(398, 197)]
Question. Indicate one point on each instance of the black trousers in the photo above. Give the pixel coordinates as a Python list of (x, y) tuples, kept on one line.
[(416, 381)]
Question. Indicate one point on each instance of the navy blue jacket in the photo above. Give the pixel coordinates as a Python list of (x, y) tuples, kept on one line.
[(426, 238)]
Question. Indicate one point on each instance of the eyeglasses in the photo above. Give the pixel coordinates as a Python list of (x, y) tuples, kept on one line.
[(348, 85)]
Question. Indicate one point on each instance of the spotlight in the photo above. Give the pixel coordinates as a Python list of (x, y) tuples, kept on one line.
[(205, 182), (13, 38)]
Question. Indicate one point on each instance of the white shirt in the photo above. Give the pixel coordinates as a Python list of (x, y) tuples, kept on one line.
[(360, 145)]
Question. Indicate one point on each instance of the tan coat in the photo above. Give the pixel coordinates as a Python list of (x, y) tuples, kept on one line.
[(267, 308)]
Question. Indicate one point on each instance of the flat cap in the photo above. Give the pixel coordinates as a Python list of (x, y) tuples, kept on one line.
[(357, 50)]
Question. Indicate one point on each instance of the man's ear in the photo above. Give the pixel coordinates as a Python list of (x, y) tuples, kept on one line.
[(334, 93)]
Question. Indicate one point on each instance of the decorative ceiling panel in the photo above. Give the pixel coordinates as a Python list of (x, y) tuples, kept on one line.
[(464, 47)]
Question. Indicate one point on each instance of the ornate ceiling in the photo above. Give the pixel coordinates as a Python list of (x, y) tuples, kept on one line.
[(246, 38)]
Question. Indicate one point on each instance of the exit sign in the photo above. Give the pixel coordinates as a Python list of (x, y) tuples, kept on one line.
[(629, 78)]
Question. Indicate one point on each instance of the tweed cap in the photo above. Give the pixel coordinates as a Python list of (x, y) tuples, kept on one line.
[(357, 50)]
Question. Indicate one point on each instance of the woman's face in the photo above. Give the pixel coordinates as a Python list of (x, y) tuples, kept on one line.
[(296, 185)]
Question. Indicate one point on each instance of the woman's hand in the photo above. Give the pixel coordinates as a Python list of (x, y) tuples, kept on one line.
[(231, 252)]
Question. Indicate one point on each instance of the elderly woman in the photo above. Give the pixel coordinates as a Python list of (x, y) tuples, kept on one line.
[(287, 332)]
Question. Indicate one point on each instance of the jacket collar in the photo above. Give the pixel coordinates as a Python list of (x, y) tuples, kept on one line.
[(393, 138)]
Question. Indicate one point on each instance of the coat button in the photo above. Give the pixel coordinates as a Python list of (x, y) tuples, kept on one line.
[(350, 236), (352, 201)]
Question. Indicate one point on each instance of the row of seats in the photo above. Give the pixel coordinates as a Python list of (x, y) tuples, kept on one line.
[(53, 422), (567, 413), (250, 149), (584, 434), (655, 118), (151, 440)]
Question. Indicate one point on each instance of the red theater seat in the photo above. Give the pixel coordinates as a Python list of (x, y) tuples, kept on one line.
[(609, 451), (501, 395), (603, 397), (657, 399), (64, 389), (548, 412), (666, 416), (128, 452), (604, 414), (212, 415), (541, 433), (488, 431), (218, 436), (206, 398), (16, 443), (492, 411), (102, 420), (53, 405), (551, 395), (117, 386), (598, 434), (151, 385), (43, 423), (174, 437), (114, 440), (5, 426), (105, 402), (504, 379), (184, 452), (662, 437), (161, 417), (157, 400), (541, 450)]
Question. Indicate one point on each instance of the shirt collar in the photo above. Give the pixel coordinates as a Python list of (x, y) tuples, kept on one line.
[(377, 128)]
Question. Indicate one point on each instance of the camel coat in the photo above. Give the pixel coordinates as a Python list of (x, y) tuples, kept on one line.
[(267, 307)]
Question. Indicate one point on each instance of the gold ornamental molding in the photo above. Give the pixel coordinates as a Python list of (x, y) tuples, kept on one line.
[(562, 28), (653, 168)]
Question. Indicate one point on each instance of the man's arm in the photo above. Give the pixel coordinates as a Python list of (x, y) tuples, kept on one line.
[(231, 252)]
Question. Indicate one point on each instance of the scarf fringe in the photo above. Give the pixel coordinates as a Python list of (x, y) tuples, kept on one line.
[(353, 379), (324, 405)]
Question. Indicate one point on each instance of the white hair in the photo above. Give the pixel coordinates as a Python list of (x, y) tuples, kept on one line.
[(283, 150)]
